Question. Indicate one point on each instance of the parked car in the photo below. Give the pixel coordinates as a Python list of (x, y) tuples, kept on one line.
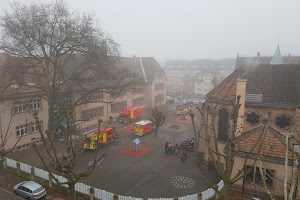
[(30, 190)]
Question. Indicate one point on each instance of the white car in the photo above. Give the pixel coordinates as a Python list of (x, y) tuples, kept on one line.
[(30, 190)]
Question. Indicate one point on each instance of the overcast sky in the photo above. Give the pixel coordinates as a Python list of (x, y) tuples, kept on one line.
[(194, 29)]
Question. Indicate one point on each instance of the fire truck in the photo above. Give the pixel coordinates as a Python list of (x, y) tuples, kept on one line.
[(131, 114), (105, 135), (143, 127), (184, 108)]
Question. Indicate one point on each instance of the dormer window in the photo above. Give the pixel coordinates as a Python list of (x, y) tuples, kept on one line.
[(14, 86), (30, 84)]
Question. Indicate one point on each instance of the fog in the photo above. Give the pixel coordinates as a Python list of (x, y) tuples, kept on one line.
[(196, 29)]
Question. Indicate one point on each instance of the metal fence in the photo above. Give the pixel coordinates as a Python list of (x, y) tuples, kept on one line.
[(102, 194)]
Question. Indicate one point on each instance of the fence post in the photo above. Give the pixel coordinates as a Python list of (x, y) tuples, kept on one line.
[(18, 168), (92, 193), (50, 181), (32, 173), (115, 197), (4, 162)]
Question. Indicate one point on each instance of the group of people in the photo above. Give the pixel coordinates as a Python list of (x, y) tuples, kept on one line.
[(182, 147)]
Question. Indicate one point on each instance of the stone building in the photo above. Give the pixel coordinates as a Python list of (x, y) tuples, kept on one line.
[(269, 98)]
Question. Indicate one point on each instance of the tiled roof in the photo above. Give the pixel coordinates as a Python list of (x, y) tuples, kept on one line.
[(273, 143), (226, 90), (265, 60), (276, 83), (145, 66)]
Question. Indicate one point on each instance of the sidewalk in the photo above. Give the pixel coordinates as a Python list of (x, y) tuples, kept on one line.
[(53, 195)]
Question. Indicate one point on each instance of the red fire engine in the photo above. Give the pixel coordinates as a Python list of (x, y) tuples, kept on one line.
[(105, 135), (131, 114)]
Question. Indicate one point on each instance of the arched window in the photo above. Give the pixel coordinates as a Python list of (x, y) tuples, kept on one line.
[(222, 125)]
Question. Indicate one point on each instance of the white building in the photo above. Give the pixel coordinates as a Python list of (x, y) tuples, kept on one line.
[(204, 84)]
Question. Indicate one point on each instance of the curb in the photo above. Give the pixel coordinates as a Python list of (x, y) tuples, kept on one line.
[(11, 193)]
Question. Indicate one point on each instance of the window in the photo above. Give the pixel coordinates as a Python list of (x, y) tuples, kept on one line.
[(92, 114), (159, 86), (23, 147), (39, 142), (20, 107), (30, 84), (93, 97), (35, 104), (159, 99), (14, 86), (118, 107), (253, 175), (222, 124), (283, 121), (22, 130), (100, 111), (138, 101), (252, 118), (35, 127)]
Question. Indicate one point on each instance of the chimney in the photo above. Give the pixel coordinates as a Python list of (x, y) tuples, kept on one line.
[(241, 91), (257, 58)]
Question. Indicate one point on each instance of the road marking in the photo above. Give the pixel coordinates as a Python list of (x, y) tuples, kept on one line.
[(182, 182), (92, 162), (146, 178)]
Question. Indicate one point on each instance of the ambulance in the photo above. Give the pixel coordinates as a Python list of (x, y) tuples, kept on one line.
[(143, 127), (105, 135)]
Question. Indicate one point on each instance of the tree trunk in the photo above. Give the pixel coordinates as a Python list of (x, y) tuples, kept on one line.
[(72, 191), (156, 130), (225, 191), (5, 174)]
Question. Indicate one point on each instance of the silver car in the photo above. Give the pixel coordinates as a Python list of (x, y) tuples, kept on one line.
[(30, 190)]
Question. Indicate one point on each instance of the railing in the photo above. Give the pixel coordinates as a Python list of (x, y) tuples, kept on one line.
[(102, 194)]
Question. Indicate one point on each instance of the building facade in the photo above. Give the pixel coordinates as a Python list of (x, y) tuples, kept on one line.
[(269, 99), (21, 101), (183, 74)]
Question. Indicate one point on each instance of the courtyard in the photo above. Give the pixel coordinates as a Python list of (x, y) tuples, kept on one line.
[(149, 173)]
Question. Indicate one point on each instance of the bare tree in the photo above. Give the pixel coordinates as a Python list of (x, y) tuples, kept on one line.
[(158, 117), (66, 168), (291, 153), (222, 159), (62, 52), (4, 137)]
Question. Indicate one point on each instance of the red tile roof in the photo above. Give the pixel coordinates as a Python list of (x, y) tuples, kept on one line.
[(273, 143), (226, 90)]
